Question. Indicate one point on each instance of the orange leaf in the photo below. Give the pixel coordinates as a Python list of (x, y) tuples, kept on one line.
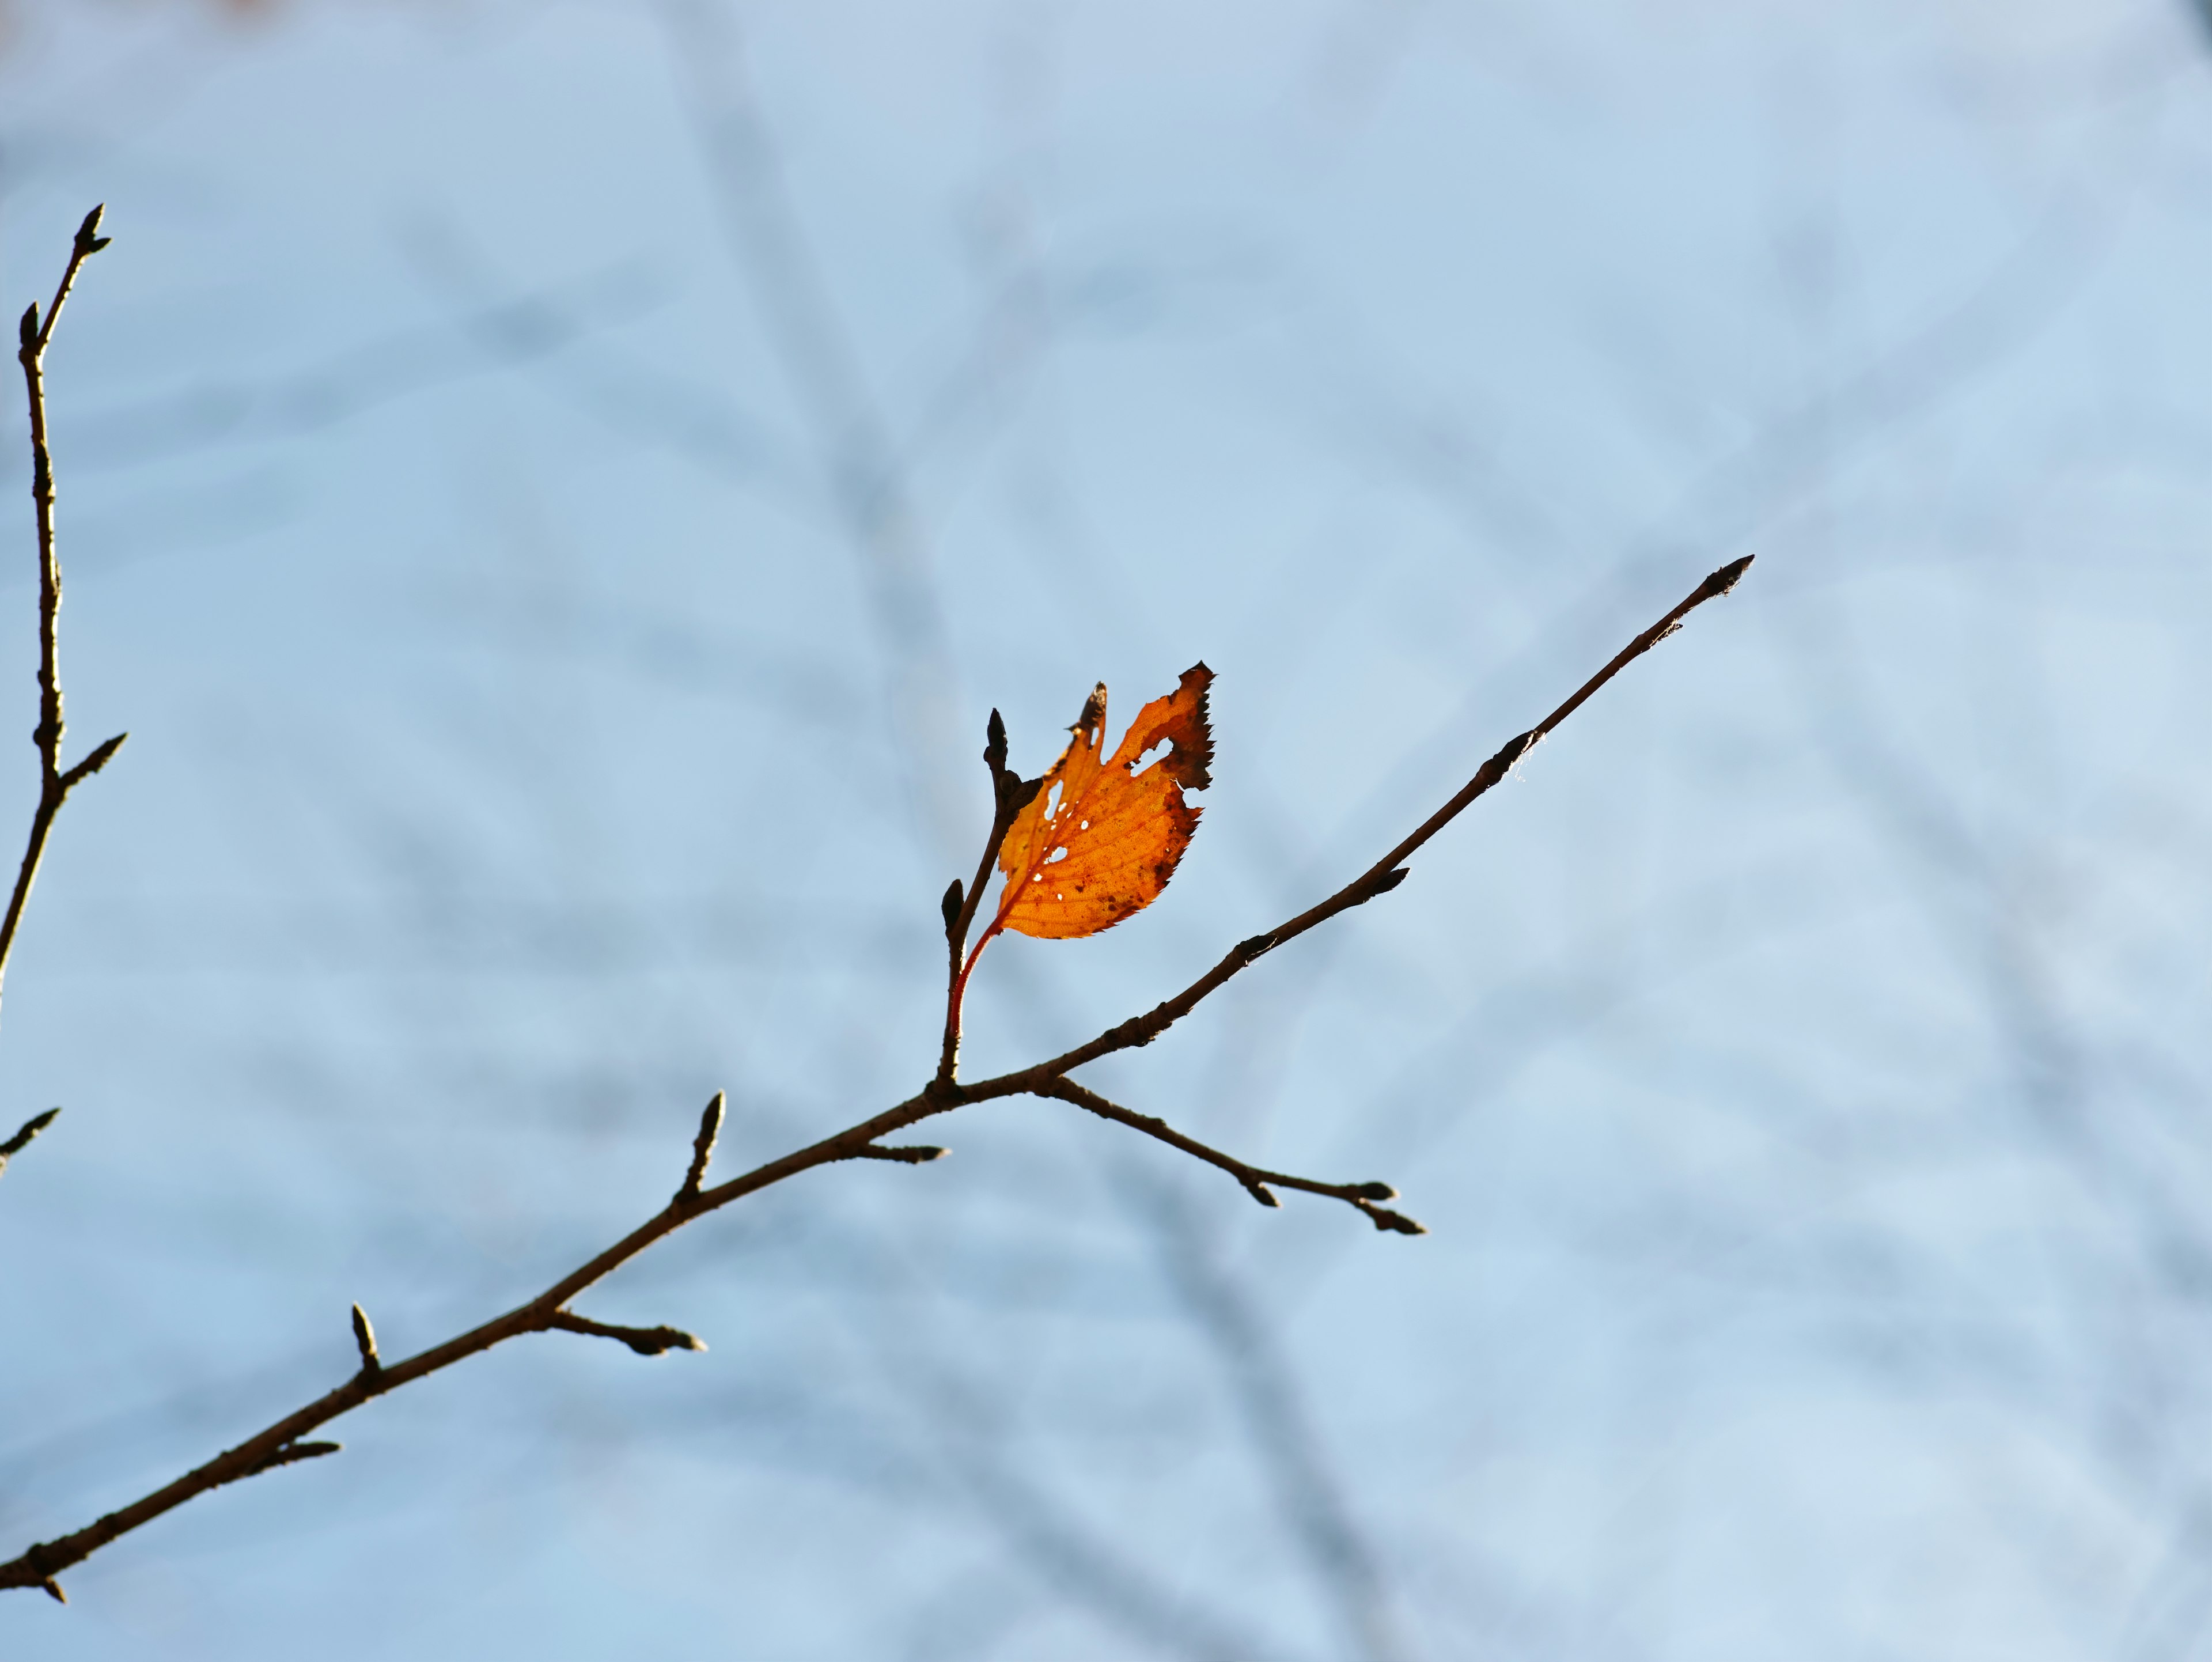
[(1102, 838)]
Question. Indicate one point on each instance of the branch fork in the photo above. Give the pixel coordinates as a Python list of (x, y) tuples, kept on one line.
[(286, 1442)]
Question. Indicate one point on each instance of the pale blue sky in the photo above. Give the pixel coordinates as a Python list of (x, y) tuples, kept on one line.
[(1801, 1064)]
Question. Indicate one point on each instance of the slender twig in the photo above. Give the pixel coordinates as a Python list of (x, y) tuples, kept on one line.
[(1010, 794), (55, 782), (21, 1140), (1257, 1180), (364, 1340), (549, 1311)]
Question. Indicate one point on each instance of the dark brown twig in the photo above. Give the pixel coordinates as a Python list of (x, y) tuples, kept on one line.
[(1010, 794), (37, 1567), (21, 1140), (646, 1341), (1258, 1182), (293, 1453), (55, 782)]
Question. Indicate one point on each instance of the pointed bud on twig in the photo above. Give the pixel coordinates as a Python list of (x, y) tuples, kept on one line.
[(99, 758), (994, 745), (27, 331), (915, 1153), (1392, 1222), (364, 1339), (646, 1341), (293, 1453), (1375, 1191), (703, 1148), (88, 239), (54, 1591), (954, 895), (30, 1128), (1726, 578), (1259, 1192)]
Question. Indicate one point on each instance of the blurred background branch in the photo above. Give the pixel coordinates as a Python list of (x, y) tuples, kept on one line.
[(1805, 1083)]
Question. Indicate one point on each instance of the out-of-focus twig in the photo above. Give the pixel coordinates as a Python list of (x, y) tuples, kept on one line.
[(1264, 1388), (866, 481)]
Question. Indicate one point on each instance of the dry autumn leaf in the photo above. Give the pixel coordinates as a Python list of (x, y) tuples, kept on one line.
[(1094, 840), (1100, 840)]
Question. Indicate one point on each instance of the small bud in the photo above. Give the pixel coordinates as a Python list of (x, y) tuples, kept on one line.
[(995, 741), (27, 331), (1392, 1222), (1375, 1191), (30, 1128), (1728, 576), (702, 1147), (364, 1339), (954, 896)]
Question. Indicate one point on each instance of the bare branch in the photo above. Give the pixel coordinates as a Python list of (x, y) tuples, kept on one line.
[(294, 1453), (54, 783), (1258, 1182), (1010, 794), (279, 1443)]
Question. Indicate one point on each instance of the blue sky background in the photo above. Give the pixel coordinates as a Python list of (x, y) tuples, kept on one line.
[(553, 490)]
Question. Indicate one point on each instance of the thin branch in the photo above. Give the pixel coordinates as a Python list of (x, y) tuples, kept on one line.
[(1010, 794), (37, 1567), (54, 782), (1385, 875), (1257, 1180)]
